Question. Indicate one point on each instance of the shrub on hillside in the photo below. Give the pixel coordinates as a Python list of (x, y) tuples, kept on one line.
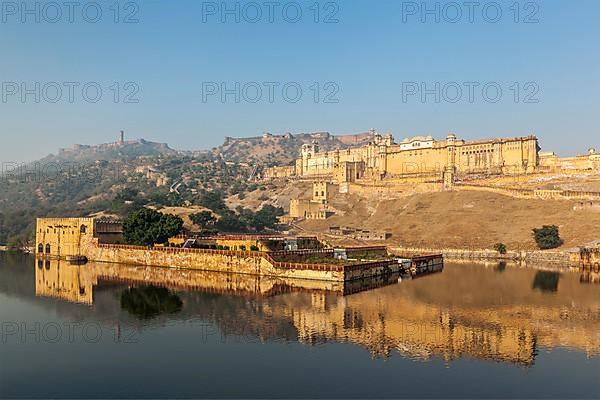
[(547, 237), (203, 219), (500, 248)]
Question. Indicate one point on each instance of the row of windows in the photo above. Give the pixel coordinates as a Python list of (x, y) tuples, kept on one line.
[(477, 152), (482, 147), (82, 229)]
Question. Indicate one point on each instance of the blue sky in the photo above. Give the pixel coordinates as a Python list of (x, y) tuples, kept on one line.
[(368, 58)]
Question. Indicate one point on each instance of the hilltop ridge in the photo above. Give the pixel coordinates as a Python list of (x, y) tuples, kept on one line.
[(272, 150), (110, 151), (267, 149)]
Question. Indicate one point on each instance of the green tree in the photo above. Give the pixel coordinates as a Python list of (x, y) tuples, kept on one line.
[(500, 248), (547, 237), (214, 201), (266, 217), (203, 219), (146, 227), (230, 222)]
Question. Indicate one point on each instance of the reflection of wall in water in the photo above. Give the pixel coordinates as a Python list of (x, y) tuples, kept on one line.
[(75, 283), (393, 318), (62, 280), (588, 276)]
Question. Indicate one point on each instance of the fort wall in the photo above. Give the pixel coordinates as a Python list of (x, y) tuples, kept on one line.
[(280, 172), (542, 194), (557, 258), (58, 238), (551, 161)]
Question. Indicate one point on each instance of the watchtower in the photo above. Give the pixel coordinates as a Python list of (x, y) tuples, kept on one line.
[(321, 191)]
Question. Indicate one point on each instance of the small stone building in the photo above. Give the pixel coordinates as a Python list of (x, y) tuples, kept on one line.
[(315, 208)]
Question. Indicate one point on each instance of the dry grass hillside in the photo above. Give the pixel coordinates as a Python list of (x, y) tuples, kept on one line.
[(575, 181), (278, 194), (463, 219)]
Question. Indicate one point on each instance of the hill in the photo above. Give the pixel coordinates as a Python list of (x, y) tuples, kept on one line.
[(116, 178), (270, 150), (109, 152), (463, 219)]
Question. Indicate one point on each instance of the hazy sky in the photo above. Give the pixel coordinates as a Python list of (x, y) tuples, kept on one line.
[(370, 61)]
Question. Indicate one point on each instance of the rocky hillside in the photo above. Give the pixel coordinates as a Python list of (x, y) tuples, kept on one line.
[(270, 150), (109, 152), (111, 179)]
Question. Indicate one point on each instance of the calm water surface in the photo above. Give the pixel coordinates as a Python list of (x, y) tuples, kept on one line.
[(103, 330)]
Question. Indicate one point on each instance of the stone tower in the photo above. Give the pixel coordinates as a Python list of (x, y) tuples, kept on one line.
[(307, 152), (450, 169)]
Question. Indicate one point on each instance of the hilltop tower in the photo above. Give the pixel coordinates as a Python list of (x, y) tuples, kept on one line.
[(122, 137)]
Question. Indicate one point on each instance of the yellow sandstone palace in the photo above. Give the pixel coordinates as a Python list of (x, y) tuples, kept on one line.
[(383, 158)]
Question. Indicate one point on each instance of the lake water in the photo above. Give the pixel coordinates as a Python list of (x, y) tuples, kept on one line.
[(103, 330)]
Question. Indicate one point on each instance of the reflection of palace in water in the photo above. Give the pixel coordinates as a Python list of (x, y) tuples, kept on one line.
[(463, 312)]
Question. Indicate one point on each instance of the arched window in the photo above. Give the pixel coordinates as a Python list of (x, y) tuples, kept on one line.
[(48, 249), (83, 229), (40, 248)]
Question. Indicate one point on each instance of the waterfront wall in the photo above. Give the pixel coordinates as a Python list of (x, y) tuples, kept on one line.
[(241, 262), (590, 257), (62, 238), (566, 258)]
